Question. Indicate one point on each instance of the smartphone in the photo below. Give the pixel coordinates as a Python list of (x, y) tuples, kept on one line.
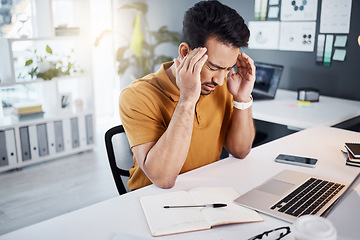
[(296, 160)]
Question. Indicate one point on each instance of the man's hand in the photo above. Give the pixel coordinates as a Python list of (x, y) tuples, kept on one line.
[(241, 83), (188, 75)]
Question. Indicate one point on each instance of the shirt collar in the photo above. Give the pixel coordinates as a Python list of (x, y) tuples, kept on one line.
[(165, 82)]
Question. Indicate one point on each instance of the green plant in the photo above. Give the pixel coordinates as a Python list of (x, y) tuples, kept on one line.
[(51, 65), (140, 50)]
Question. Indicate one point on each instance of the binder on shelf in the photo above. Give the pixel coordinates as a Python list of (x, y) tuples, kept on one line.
[(42, 139), (4, 161), (51, 138), (11, 146), (59, 136), (25, 143), (67, 134), (75, 133), (89, 129), (82, 131), (34, 146)]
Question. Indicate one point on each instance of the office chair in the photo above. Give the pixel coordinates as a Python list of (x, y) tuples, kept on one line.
[(120, 156)]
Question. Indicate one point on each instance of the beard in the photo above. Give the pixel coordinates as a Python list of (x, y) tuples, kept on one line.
[(205, 92)]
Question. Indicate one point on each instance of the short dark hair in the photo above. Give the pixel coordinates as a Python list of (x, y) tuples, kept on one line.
[(213, 19)]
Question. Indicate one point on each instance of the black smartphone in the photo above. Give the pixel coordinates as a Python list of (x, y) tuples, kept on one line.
[(296, 160)]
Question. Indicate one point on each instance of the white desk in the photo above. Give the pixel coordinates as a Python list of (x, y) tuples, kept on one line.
[(123, 216), (284, 110)]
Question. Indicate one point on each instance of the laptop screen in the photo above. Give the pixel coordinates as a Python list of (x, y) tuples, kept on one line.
[(267, 80)]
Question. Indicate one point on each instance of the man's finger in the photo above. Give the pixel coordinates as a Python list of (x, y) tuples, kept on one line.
[(242, 60), (199, 64), (182, 62), (240, 63), (246, 63), (250, 62), (197, 54), (188, 60), (176, 62)]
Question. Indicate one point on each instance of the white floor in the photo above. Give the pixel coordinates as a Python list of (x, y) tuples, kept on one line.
[(46, 190)]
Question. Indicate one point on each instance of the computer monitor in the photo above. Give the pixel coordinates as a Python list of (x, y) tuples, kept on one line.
[(267, 80)]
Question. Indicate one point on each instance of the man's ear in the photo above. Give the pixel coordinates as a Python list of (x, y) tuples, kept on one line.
[(184, 49)]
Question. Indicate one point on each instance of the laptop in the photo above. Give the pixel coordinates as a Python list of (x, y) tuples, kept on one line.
[(267, 80), (290, 194)]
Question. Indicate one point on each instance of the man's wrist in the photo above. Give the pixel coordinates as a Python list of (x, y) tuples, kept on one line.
[(243, 105), (186, 104), (242, 98)]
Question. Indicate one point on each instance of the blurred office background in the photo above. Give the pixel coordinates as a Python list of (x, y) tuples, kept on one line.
[(35, 192)]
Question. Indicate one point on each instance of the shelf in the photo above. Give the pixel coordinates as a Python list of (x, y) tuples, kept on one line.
[(11, 121), (54, 38), (40, 80), (67, 100)]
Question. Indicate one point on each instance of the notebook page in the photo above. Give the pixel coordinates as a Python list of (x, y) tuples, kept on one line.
[(163, 221), (232, 213)]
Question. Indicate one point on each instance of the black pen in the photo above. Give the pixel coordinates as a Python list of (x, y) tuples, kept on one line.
[(213, 205)]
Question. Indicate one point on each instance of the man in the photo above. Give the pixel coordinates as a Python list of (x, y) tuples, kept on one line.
[(179, 118)]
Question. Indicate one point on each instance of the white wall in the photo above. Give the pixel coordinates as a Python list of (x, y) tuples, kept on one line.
[(103, 59)]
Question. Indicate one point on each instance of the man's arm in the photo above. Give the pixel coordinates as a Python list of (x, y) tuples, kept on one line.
[(241, 133), (162, 160)]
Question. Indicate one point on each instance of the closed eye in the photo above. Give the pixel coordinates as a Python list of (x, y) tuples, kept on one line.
[(212, 69), (217, 68)]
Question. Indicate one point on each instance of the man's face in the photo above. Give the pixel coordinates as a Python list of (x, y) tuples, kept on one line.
[(221, 58)]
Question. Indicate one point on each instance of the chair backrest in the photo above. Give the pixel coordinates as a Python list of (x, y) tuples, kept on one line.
[(119, 155)]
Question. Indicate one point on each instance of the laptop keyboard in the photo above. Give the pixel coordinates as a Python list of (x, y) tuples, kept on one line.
[(308, 198)]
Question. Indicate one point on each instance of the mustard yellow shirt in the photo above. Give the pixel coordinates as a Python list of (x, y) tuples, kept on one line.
[(146, 108)]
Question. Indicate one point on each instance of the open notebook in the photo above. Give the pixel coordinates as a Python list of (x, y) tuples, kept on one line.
[(164, 221)]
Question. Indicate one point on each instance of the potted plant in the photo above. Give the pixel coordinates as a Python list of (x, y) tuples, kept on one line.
[(140, 50), (51, 65)]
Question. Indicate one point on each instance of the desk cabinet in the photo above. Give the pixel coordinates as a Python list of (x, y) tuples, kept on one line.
[(40, 140)]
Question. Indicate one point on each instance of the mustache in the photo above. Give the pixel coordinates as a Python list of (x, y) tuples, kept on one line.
[(214, 84)]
